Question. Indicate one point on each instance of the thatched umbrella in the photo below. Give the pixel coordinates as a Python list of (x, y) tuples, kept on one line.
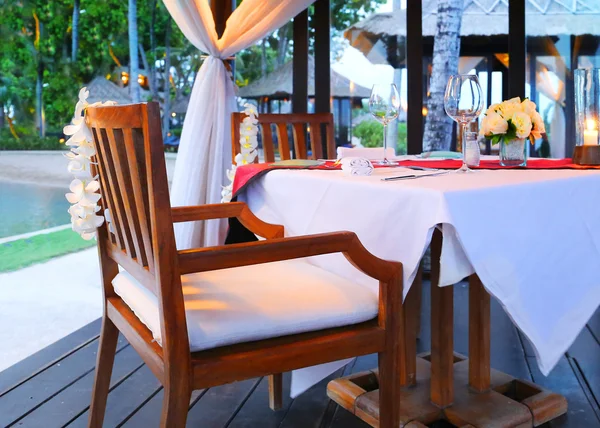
[(102, 89), (279, 84)]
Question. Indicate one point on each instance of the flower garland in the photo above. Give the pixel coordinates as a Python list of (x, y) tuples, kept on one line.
[(84, 188), (248, 144)]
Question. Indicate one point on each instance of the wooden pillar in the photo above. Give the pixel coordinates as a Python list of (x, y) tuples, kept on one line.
[(479, 335), (442, 331), (414, 61), (322, 23), (221, 10), (300, 64), (570, 99), (516, 48), (490, 71)]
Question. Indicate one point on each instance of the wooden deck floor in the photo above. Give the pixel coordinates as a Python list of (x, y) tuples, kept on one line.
[(52, 388)]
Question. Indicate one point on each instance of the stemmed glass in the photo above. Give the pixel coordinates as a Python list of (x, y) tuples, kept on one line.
[(384, 105), (463, 102)]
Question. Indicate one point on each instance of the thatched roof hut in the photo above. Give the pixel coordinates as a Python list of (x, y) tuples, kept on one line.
[(278, 84), (484, 24), (102, 89)]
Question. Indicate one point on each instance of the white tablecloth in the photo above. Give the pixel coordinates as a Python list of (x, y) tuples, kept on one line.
[(533, 237)]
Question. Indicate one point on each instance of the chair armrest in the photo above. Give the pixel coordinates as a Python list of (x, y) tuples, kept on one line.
[(232, 209), (228, 256)]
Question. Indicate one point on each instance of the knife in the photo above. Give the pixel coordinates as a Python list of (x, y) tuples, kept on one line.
[(410, 177)]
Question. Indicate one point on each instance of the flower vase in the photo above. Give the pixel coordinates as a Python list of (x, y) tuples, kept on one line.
[(513, 152)]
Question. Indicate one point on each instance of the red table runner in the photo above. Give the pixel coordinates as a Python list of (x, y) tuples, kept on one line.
[(245, 174)]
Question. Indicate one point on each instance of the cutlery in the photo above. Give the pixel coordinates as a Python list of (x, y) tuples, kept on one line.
[(410, 177)]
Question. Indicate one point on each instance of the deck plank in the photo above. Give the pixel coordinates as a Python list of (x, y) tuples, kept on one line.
[(256, 412), (75, 400), (218, 405), (26, 397), (308, 409), (138, 388), (50, 355), (563, 379), (586, 352)]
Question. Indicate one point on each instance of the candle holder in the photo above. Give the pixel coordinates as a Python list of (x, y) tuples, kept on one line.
[(587, 114)]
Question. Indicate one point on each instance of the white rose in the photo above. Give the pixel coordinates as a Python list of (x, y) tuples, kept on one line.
[(522, 123), (493, 108), (495, 124)]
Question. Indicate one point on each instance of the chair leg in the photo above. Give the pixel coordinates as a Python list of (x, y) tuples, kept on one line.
[(276, 391), (176, 403), (389, 390), (104, 365)]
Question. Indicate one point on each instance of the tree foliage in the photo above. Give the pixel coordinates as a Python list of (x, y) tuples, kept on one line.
[(37, 45)]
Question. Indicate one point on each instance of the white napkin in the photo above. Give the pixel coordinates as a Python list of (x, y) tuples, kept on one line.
[(364, 152), (356, 166)]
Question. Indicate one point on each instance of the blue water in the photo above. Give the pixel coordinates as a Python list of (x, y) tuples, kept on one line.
[(29, 207)]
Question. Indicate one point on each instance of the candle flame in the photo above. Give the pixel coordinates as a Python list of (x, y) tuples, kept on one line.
[(590, 124)]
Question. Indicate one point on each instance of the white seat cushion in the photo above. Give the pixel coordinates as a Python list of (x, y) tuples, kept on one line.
[(256, 302)]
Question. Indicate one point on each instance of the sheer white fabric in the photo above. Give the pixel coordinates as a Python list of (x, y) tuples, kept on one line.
[(205, 146), (549, 82)]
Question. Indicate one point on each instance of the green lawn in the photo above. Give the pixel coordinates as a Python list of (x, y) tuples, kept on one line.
[(25, 252)]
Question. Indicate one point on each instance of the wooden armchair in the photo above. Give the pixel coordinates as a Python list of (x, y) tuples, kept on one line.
[(194, 316), (302, 124)]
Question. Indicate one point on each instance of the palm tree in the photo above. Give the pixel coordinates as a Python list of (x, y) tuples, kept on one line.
[(134, 86), (446, 51)]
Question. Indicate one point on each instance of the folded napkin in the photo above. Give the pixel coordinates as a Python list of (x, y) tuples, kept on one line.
[(356, 166), (364, 152)]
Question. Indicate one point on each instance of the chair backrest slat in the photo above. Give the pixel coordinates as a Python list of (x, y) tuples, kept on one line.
[(134, 146), (134, 187), (299, 141), (298, 122), (282, 138), (107, 190)]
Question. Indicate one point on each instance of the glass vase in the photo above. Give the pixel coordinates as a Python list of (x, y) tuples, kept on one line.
[(513, 152)]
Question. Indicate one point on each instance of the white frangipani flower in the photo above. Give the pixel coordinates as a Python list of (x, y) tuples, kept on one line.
[(248, 148), (84, 188)]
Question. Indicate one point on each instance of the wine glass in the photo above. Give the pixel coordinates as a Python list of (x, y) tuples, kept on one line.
[(384, 105), (463, 102)]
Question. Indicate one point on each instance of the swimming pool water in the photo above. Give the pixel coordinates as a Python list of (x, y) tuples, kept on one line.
[(29, 207)]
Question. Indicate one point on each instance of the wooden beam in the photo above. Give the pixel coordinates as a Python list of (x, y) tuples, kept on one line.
[(221, 9), (442, 331), (300, 74), (479, 335), (414, 62), (516, 48), (571, 61), (322, 24)]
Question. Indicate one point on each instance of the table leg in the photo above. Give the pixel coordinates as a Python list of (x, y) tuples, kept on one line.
[(442, 330), (412, 314), (479, 335)]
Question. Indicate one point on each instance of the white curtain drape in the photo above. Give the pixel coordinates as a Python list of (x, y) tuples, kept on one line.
[(555, 90), (205, 146)]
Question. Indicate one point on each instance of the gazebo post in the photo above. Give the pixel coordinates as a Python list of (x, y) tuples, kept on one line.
[(300, 58), (322, 23), (414, 61), (572, 61), (517, 47)]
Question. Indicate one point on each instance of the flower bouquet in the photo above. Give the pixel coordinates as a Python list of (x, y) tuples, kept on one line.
[(510, 123)]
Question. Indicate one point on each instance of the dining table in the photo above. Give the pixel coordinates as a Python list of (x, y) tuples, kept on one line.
[(528, 238)]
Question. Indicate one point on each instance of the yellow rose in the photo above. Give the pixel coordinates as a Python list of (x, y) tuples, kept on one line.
[(529, 107), (493, 123), (522, 123), (508, 108)]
